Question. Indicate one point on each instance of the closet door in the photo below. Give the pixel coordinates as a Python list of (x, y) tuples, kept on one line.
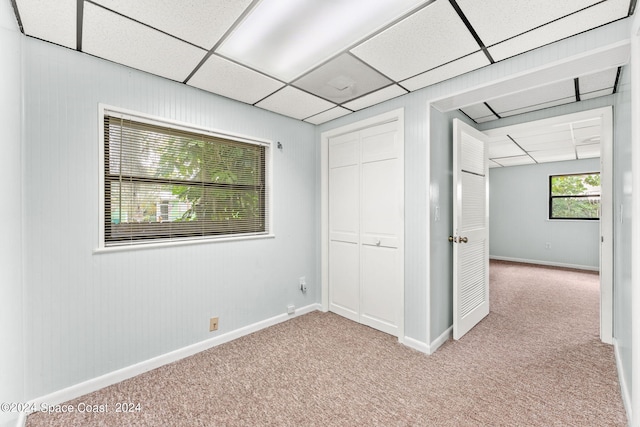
[(344, 212), (365, 226)]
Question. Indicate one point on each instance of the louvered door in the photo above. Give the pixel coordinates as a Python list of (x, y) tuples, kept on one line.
[(471, 228)]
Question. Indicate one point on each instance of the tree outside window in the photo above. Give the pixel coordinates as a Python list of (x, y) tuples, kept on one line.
[(575, 196)]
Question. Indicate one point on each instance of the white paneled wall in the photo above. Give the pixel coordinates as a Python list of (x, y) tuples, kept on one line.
[(90, 314), (12, 366)]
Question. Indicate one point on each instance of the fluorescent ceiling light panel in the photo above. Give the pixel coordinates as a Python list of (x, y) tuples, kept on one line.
[(286, 38)]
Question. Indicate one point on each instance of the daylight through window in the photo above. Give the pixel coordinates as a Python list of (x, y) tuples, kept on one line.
[(166, 183), (575, 196)]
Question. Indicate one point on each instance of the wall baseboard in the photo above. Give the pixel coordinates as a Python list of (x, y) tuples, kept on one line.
[(422, 347), (549, 263), (443, 338), (624, 388), (119, 375)]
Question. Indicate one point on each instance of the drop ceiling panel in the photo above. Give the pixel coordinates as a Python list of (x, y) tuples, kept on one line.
[(514, 161), (498, 20), (536, 107), (226, 78), (588, 151), (553, 155), (600, 14), (596, 94), (532, 97), (113, 37), (598, 81), (544, 135), (201, 22), (447, 71), (295, 103), (479, 113), (427, 39), (375, 98), (54, 21), (342, 79), (504, 149), (334, 113), (587, 135)]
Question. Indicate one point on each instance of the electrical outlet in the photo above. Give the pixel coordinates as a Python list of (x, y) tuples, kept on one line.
[(303, 284), (213, 324), (291, 309)]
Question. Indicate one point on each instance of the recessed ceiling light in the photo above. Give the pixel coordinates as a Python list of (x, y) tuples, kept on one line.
[(286, 38)]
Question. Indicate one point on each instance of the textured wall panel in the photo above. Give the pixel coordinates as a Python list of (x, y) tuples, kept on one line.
[(90, 314)]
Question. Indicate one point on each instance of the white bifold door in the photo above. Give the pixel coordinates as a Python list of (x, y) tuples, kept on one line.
[(471, 228), (366, 226)]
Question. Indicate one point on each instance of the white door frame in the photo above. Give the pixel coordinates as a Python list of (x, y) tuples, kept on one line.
[(395, 115), (614, 55), (606, 217)]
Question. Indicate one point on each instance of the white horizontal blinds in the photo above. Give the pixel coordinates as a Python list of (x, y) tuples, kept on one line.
[(164, 183)]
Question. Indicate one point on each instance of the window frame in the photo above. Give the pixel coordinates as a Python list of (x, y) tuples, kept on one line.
[(104, 246), (551, 197)]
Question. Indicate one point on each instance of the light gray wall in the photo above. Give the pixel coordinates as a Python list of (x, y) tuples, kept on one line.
[(622, 222), (418, 288), (11, 285), (519, 225), (89, 314)]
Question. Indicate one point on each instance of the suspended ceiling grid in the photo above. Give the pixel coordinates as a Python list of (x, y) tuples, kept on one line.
[(417, 44)]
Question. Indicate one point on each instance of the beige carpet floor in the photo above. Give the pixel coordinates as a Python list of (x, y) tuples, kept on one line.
[(535, 360)]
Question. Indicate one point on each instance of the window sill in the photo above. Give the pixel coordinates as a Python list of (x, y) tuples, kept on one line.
[(143, 246)]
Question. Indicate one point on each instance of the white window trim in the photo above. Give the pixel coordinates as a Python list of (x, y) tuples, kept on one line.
[(174, 124)]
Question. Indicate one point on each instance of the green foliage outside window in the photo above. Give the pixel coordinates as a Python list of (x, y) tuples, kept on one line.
[(574, 196)]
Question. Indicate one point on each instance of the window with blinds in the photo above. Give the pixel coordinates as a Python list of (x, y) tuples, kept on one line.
[(165, 183)]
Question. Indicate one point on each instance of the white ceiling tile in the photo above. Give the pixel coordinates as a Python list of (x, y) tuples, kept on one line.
[(498, 20), (553, 155), (514, 161), (447, 71), (54, 21), (201, 22), (113, 37), (295, 103), (532, 97), (549, 135), (226, 78), (596, 94), (377, 97), (493, 164), (427, 39), (597, 81), (587, 135), (600, 14), (334, 113), (486, 119), (477, 111), (588, 151), (342, 79), (504, 149), (536, 107)]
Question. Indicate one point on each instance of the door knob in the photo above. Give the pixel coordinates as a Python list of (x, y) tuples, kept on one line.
[(453, 239), (463, 240)]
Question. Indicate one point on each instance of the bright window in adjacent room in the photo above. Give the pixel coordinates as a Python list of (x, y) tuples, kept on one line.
[(575, 196), (164, 181)]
